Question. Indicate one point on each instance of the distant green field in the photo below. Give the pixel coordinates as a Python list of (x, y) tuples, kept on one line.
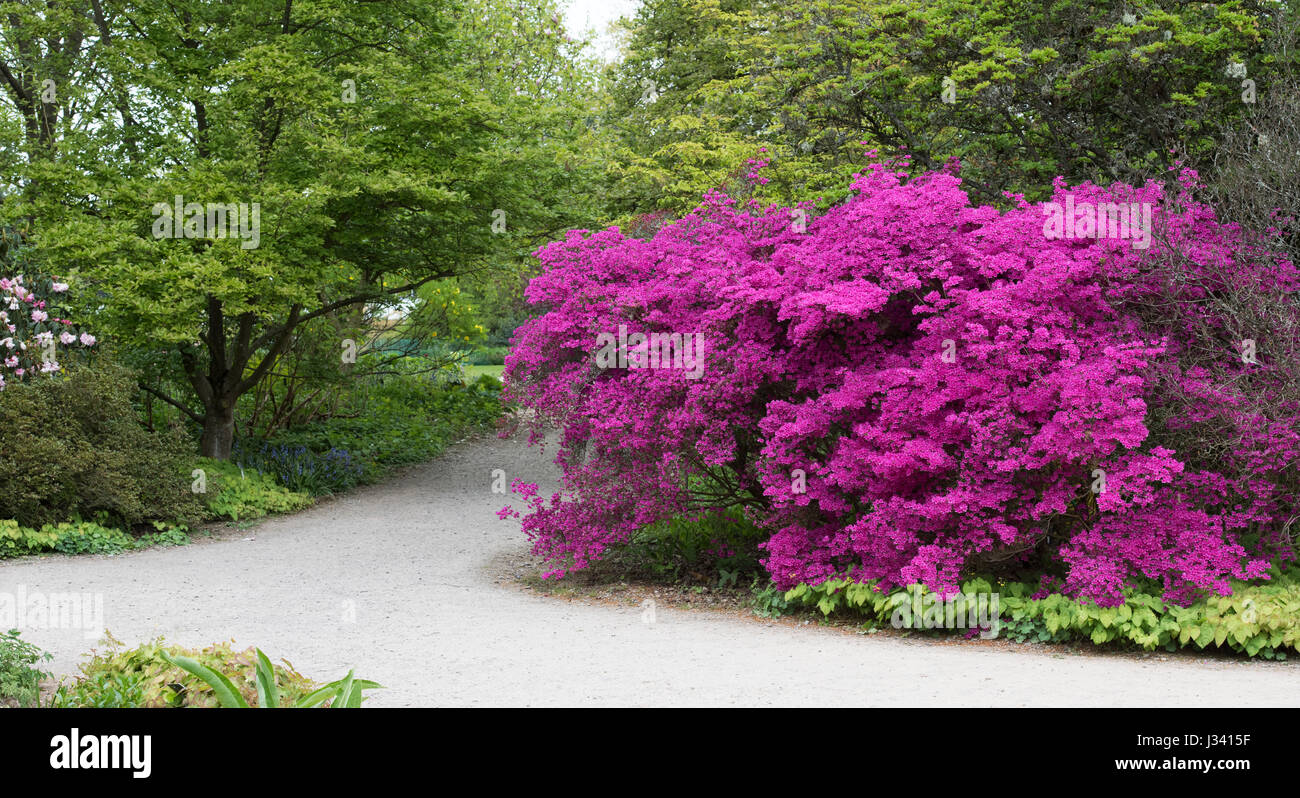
[(474, 372)]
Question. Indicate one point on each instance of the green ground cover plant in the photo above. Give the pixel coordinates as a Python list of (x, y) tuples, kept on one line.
[(83, 537), (155, 674), (1257, 619)]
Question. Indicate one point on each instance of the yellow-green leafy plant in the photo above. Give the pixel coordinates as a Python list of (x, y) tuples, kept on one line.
[(342, 693), (152, 675)]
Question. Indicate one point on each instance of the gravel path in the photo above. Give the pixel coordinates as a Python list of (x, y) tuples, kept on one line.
[(401, 581)]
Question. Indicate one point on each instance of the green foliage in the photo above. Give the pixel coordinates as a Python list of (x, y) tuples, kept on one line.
[(83, 537), (489, 356), (19, 677), (151, 675), (1258, 619), (768, 601), (719, 549), (402, 421), (236, 493), (87, 537), (345, 693), (17, 540), (1020, 91), (164, 535), (73, 448), (386, 145)]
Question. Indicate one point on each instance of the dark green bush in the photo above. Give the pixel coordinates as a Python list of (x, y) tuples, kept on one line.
[(73, 447)]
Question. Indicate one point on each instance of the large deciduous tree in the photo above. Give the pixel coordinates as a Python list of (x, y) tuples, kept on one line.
[(1019, 91), (366, 148)]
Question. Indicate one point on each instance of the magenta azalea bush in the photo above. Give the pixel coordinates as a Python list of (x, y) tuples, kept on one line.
[(908, 388)]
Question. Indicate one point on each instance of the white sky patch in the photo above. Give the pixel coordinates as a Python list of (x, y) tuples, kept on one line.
[(583, 15)]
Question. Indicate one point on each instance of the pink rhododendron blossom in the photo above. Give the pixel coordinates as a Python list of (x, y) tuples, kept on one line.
[(34, 335)]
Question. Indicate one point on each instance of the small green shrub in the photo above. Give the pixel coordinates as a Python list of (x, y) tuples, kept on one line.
[(20, 679), (236, 493), (717, 548), (164, 535), (73, 448), (143, 677), (16, 540), (768, 601)]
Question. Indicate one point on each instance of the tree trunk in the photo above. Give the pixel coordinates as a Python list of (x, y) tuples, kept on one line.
[(218, 431)]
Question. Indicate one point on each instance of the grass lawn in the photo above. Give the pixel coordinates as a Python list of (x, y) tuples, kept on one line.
[(474, 372)]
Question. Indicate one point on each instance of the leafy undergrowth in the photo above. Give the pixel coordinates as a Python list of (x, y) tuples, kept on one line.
[(239, 494), (20, 673), (83, 537), (140, 677), (716, 550), (403, 422), (1259, 618)]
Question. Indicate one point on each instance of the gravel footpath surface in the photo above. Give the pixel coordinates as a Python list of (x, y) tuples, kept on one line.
[(407, 582)]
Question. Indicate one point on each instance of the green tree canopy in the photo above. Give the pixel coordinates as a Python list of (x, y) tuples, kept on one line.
[(1019, 91), (367, 148)]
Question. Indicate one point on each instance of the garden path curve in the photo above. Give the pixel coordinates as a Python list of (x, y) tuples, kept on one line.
[(403, 581)]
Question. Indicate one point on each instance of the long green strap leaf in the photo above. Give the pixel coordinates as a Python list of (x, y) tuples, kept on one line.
[(226, 693), (268, 695)]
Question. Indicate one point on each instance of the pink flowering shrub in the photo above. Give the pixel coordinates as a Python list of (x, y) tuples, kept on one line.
[(32, 331), (908, 388)]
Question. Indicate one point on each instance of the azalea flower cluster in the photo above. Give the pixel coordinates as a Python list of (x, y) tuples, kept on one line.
[(31, 331), (909, 388)]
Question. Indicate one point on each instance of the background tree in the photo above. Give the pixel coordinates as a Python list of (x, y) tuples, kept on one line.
[(1020, 91), (385, 144)]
